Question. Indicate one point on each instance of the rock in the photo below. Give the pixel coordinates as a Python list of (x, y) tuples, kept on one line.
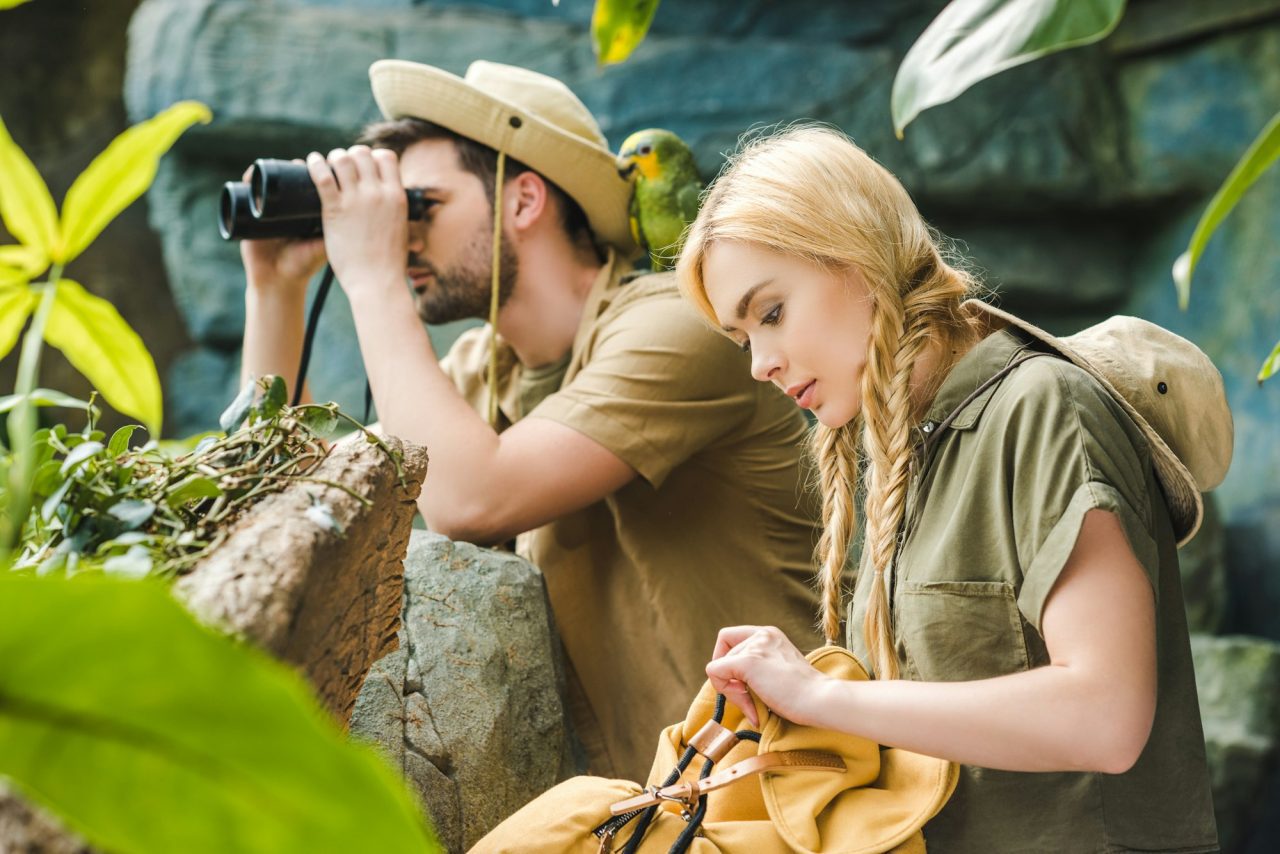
[(1238, 680), (324, 597), (1191, 111), (470, 706)]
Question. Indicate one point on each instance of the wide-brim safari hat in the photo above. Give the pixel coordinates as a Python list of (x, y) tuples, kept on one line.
[(1170, 389), (528, 116)]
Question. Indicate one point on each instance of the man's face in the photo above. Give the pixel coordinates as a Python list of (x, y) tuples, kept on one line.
[(451, 248)]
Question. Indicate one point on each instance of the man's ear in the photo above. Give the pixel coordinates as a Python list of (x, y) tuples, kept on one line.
[(528, 192)]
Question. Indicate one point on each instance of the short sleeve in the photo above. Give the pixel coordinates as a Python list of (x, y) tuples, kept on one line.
[(1074, 450), (656, 386)]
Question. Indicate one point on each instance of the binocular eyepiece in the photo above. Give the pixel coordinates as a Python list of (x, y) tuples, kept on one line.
[(280, 200)]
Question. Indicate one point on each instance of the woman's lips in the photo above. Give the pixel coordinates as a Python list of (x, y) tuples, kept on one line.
[(802, 393), (805, 398)]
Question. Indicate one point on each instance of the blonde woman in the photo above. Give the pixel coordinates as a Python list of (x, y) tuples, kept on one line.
[(1018, 597)]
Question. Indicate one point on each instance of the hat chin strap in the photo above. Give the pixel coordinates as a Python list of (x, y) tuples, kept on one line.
[(493, 289)]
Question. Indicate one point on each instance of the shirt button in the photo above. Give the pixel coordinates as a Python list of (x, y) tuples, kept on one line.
[(928, 427)]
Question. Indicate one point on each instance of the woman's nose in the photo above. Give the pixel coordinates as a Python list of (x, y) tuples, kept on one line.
[(764, 363)]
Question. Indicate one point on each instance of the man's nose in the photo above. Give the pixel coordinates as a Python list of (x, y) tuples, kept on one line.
[(417, 237)]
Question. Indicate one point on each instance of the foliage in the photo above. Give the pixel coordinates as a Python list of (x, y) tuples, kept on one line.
[(972, 40), (149, 733), (95, 339), (9, 4), (618, 27), (1252, 164), (99, 505)]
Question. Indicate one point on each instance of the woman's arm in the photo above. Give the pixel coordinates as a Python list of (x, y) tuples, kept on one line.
[(1090, 709)]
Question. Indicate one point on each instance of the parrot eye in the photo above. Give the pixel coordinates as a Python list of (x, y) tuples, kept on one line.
[(645, 150)]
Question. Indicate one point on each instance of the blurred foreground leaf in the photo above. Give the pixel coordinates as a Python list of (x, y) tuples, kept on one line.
[(972, 40), (1261, 154), (147, 732), (1271, 366), (25, 204), (15, 307)]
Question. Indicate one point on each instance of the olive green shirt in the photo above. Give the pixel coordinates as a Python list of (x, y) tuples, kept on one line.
[(994, 508), (717, 530)]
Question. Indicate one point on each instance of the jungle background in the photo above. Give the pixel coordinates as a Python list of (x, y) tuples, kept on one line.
[(1072, 183)]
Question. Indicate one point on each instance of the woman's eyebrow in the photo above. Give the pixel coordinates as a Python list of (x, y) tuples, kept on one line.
[(745, 302)]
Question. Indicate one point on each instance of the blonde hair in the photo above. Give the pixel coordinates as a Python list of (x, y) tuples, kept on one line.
[(808, 191)]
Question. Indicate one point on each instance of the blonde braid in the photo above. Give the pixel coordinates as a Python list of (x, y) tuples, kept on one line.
[(888, 416), (836, 452)]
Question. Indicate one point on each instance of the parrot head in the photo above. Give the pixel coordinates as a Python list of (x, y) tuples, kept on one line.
[(651, 152)]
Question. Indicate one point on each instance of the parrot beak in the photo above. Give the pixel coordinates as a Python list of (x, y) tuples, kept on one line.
[(626, 166)]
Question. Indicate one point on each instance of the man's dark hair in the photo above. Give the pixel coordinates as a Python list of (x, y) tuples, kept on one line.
[(482, 161)]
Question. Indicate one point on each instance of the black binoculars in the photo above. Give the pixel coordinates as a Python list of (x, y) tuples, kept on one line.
[(280, 200)]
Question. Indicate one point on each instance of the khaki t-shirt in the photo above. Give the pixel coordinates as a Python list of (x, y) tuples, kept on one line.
[(717, 530), (989, 527)]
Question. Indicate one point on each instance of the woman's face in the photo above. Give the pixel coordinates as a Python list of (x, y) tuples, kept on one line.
[(806, 327)]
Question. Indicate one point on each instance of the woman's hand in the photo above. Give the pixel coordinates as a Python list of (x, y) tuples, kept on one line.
[(760, 660)]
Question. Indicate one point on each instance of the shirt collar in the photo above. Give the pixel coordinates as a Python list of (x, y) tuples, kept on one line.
[(982, 362)]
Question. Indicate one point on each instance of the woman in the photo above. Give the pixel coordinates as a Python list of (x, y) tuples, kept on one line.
[(1018, 596)]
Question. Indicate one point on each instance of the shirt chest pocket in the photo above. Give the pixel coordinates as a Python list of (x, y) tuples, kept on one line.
[(958, 630)]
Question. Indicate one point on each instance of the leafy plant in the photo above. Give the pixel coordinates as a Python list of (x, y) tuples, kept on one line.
[(99, 505), (147, 732), (88, 329), (972, 40)]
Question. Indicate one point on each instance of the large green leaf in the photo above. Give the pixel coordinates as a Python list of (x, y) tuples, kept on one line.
[(618, 27), (1261, 154), (103, 347), (972, 40), (15, 307), (120, 174), (25, 204), (148, 733), (9, 4)]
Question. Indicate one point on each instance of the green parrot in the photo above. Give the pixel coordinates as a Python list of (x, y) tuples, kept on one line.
[(666, 195)]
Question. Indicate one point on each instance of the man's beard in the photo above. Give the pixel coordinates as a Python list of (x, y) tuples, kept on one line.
[(463, 290)]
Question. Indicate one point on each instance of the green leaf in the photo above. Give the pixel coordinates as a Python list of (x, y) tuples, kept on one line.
[(321, 420), (1270, 366), (80, 453), (103, 347), (15, 307), (618, 27), (120, 440), (160, 736), (132, 512), (273, 400), (193, 487), (972, 40), (43, 397), (25, 204), (135, 563), (121, 174), (9, 4), (20, 264), (233, 416), (1261, 154)]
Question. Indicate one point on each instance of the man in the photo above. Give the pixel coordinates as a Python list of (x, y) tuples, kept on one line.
[(661, 489)]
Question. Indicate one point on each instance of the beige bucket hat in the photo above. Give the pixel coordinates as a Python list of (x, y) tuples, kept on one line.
[(529, 116), (1170, 389)]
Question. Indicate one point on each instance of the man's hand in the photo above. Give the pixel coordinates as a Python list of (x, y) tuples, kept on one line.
[(283, 265), (365, 215)]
